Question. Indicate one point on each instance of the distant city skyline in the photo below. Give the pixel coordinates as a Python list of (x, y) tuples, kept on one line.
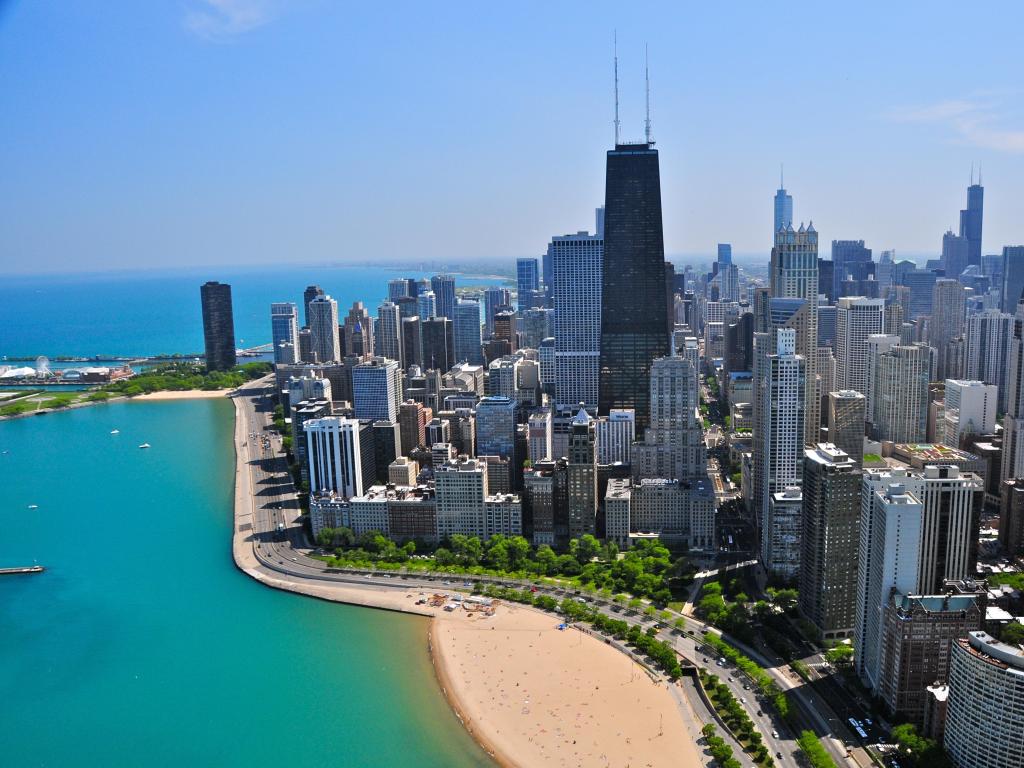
[(255, 132)]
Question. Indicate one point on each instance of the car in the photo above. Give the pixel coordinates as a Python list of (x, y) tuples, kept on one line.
[(778, 755), (760, 713), (742, 700), (775, 734), (705, 659), (746, 687), (295, 559)]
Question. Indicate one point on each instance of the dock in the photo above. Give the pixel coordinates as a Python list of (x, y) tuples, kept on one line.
[(23, 569)]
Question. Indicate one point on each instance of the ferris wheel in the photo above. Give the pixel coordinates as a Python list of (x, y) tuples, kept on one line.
[(42, 366)]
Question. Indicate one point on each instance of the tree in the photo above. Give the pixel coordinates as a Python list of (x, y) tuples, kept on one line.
[(1013, 633), (546, 559), (588, 548), (708, 730), (518, 551)]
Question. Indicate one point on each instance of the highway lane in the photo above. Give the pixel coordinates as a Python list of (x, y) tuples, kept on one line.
[(288, 553)]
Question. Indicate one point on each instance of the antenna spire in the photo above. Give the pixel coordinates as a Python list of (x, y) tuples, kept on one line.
[(782, 176), (616, 44), (972, 174), (979, 174), (647, 87)]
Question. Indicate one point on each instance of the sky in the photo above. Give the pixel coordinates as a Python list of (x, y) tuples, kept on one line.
[(179, 133)]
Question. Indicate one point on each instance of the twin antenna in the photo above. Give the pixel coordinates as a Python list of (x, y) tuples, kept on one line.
[(647, 95)]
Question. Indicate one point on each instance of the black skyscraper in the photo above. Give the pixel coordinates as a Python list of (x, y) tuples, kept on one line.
[(311, 292), (218, 326), (634, 328), (438, 344), (971, 219)]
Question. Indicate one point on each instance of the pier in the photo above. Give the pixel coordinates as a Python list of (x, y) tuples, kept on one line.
[(23, 569)]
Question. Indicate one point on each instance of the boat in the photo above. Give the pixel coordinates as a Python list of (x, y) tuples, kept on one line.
[(33, 506), (144, 445), (115, 431), (25, 569)]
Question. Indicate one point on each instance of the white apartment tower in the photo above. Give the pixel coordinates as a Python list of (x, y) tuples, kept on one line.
[(970, 408), (615, 435), (857, 318), (576, 262), (673, 445), (284, 325), (333, 451)]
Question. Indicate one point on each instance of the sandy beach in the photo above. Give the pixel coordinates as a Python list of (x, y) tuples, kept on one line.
[(531, 694), (188, 394)]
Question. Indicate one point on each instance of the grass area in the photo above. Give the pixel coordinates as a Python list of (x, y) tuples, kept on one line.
[(872, 458), (178, 377), (814, 752), (735, 716)]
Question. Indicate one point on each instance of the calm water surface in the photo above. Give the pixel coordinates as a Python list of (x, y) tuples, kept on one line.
[(142, 645)]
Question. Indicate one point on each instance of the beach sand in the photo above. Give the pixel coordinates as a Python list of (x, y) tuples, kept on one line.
[(189, 394), (531, 694), (537, 696)]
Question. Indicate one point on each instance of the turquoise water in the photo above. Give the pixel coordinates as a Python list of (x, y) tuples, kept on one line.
[(142, 645), (156, 313)]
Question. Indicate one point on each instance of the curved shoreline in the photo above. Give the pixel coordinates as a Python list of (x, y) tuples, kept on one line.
[(535, 698)]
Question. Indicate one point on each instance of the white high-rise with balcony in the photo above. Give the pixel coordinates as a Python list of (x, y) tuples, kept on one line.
[(576, 262)]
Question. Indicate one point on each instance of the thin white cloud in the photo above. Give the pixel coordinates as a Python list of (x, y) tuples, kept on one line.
[(223, 20), (972, 122)]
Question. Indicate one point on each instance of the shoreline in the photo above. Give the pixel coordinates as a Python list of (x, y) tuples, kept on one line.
[(527, 692), (164, 395)]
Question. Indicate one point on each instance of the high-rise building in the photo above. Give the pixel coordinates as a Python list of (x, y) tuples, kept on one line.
[(615, 435), (495, 300), (582, 474), (949, 308), (398, 288), (793, 274), (778, 429), (389, 331), (875, 345), (985, 709), (412, 425), (535, 325), (438, 339), (846, 414), (1013, 277), (857, 318), (918, 632), (970, 221), (218, 326), (634, 326), (576, 294), (336, 451), (829, 540), (970, 408), (900, 393), (426, 305), (849, 257), (989, 337), (780, 534), (284, 326), (443, 287), (527, 283), (539, 436), (1013, 421), (358, 332), (955, 254), (783, 209), (888, 555), (466, 328), (377, 389), (496, 427), (412, 342), (323, 328), (311, 292), (673, 445)]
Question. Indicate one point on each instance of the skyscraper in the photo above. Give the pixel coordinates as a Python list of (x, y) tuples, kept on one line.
[(673, 445), (955, 254), (778, 433), (793, 274), (466, 327), (389, 329), (970, 221), (377, 389), (438, 344), (323, 328), (576, 293), (358, 331), (856, 319), (218, 326), (527, 283), (829, 540), (783, 208), (949, 309), (970, 408), (495, 300), (311, 292), (443, 287), (1013, 277), (989, 335), (582, 474), (634, 326), (337, 457), (284, 327), (849, 258), (846, 413), (900, 393), (1013, 421)]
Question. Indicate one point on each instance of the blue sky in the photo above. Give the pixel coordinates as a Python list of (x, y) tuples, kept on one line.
[(202, 132)]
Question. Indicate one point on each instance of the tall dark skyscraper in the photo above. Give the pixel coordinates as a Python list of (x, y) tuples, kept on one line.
[(443, 287), (634, 328), (218, 326), (970, 220), (311, 292)]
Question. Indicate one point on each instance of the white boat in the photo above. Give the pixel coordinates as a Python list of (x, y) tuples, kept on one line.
[(115, 431), (33, 506), (144, 445)]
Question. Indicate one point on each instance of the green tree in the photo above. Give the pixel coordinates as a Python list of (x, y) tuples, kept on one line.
[(1013, 633)]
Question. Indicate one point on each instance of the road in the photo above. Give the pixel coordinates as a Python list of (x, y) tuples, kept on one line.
[(287, 552)]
